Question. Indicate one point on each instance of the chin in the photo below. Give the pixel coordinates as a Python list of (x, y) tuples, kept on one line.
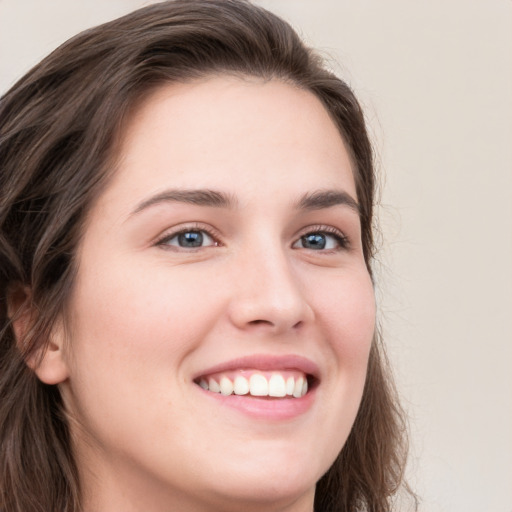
[(265, 493), (276, 485)]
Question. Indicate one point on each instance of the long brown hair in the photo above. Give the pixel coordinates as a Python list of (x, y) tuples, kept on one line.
[(59, 126)]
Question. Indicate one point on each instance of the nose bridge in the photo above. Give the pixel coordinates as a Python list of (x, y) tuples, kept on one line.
[(268, 289)]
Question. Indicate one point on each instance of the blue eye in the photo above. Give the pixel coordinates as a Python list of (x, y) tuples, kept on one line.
[(189, 239), (320, 240)]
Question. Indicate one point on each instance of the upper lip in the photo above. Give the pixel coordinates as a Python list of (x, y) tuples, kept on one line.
[(265, 362)]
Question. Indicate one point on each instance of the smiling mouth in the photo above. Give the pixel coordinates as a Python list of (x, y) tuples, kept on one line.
[(254, 383)]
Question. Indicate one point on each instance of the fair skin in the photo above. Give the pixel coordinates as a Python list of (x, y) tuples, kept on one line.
[(263, 276)]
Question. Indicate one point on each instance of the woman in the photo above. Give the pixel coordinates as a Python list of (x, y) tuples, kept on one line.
[(188, 317)]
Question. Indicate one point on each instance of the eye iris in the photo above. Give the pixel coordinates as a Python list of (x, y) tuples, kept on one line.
[(190, 239), (314, 241)]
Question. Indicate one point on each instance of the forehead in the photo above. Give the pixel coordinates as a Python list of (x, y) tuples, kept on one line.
[(232, 132)]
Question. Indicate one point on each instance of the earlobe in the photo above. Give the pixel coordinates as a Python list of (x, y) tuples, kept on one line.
[(49, 363), (47, 360)]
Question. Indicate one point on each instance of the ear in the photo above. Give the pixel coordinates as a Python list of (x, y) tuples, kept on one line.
[(48, 360)]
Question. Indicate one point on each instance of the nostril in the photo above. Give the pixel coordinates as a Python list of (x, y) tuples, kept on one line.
[(260, 322), (272, 324)]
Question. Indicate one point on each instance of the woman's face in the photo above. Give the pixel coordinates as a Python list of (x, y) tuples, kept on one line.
[(225, 253)]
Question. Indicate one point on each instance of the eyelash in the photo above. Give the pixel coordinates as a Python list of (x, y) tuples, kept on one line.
[(341, 240), (195, 228)]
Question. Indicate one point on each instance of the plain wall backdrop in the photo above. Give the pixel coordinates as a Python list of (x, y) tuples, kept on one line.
[(435, 78)]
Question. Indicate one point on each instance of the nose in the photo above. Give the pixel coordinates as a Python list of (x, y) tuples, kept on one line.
[(268, 294)]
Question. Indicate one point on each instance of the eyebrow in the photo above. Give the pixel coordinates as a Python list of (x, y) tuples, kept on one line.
[(321, 199), (201, 197), (316, 200)]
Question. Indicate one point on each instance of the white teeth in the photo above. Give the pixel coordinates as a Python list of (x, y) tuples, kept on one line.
[(212, 384), (297, 392), (226, 386), (276, 385), (258, 385), (241, 386), (290, 385)]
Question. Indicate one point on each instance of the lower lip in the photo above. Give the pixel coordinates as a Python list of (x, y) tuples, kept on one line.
[(270, 409)]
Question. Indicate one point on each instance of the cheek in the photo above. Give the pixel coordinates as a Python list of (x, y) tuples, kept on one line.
[(130, 333), (144, 310), (347, 310)]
